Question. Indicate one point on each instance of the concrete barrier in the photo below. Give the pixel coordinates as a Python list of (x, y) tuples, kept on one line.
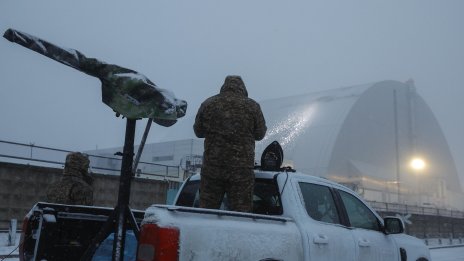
[(21, 186)]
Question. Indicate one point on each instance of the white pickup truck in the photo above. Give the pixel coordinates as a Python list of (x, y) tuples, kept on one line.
[(296, 217)]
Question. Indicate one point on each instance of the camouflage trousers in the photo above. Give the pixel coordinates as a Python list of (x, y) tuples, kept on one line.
[(236, 183)]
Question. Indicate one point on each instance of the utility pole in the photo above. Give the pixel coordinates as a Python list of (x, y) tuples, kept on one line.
[(397, 151)]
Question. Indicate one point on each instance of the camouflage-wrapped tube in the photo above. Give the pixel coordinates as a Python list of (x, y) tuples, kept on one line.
[(126, 91)]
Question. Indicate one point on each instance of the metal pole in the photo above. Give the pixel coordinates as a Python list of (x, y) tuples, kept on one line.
[(32, 147), (395, 115), (124, 191), (142, 144)]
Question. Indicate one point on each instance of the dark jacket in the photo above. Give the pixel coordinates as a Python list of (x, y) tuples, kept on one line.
[(230, 122)]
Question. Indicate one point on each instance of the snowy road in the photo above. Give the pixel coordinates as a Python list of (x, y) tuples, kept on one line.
[(448, 254)]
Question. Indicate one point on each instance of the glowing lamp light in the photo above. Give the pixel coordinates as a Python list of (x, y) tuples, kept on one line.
[(417, 164)]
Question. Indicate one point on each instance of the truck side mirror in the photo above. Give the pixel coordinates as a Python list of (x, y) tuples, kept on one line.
[(393, 225)]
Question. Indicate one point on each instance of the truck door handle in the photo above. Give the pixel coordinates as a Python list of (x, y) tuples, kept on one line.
[(364, 242), (321, 239)]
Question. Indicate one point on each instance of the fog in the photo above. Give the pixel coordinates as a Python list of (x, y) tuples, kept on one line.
[(279, 48)]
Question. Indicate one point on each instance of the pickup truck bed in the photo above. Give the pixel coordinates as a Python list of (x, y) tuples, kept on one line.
[(62, 232)]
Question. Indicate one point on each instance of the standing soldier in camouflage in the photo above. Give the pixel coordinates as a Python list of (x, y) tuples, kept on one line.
[(74, 187), (230, 122)]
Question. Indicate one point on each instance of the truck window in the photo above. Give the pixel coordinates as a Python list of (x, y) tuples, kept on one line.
[(319, 203), (359, 214), (266, 197)]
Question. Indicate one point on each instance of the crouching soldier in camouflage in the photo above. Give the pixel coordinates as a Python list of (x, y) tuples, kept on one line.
[(230, 122), (74, 187)]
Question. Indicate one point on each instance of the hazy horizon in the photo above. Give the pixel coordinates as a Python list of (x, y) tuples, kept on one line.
[(280, 49)]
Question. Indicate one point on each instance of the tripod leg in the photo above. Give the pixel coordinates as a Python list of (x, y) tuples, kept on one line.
[(102, 234), (133, 223), (124, 191)]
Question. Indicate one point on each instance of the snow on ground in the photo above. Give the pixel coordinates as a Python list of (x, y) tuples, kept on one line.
[(10, 259), (448, 254), (5, 249)]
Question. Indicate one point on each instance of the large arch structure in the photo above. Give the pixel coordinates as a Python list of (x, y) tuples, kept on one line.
[(365, 137)]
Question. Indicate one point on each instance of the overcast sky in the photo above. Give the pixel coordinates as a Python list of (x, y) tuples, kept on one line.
[(280, 48)]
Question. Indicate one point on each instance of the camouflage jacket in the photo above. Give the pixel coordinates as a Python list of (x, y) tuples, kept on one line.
[(71, 190), (230, 122), (73, 187)]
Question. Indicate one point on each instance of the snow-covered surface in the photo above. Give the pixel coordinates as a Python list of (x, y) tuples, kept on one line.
[(448, 254), (5, 249), (206, 237), (34, 39), (135, 77), (169, 95)]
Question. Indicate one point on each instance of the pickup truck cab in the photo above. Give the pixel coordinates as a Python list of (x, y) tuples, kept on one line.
[(296, 217)]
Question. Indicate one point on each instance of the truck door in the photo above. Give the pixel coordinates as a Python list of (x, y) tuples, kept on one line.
[(327, 238), (371, 242)]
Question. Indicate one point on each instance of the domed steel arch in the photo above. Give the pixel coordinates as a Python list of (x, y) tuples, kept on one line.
[(365, 137)]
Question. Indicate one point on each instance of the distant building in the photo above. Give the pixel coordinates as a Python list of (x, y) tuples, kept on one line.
[(172, 160), (363, 136)]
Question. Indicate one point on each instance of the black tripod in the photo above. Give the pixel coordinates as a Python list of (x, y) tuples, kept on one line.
[(122, 214)]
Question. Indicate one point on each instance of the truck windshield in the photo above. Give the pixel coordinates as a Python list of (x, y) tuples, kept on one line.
[(266, 197)]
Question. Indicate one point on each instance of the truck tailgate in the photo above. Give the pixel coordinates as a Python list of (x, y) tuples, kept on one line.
[(226, 235)]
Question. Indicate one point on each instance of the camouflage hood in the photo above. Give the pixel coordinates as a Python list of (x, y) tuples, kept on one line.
[(77, 165), (234, 84)]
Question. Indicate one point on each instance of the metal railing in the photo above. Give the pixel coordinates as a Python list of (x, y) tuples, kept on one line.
[(411, 209), (22, 153)]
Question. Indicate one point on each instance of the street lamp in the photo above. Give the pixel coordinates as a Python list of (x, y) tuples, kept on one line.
[(417, 164)]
